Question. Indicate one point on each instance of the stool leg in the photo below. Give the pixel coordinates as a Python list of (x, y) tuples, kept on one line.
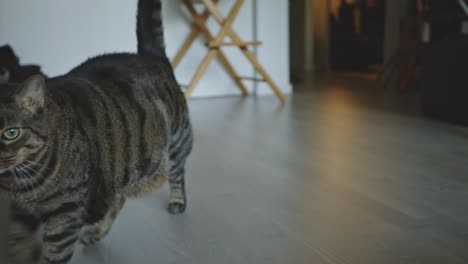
[(233, 73), (226, 24), (251, 57), (225, 61), (197, 29), (258, 67), (200, 71), (200, 25)]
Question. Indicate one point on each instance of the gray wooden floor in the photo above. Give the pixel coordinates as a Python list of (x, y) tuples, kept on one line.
[(344, 173)]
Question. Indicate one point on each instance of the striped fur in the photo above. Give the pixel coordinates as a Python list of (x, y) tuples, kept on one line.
[(150, 31), (116, 126)]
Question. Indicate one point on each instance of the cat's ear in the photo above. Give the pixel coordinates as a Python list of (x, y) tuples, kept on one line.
[(31, 94)]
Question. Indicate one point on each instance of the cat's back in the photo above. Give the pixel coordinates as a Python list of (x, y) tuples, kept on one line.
[(125, 76), (125, 65)]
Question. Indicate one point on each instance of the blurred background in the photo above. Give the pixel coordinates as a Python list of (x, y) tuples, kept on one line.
[(414, 48), (402, 44)]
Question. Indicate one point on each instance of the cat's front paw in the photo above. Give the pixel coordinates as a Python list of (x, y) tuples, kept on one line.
[(91, 235)]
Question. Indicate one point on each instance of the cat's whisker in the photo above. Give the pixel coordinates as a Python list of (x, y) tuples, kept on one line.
[(28, 167), (29, 177), (35, 171), (42, 166), (25, 184), (14, 176), (34, 184), (27, 181), (30, 174), (18, 176)]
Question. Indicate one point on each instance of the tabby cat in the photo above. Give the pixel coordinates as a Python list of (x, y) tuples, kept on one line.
[(72, 148)]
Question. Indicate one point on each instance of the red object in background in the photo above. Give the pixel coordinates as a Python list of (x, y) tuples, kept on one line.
[(371, 3), (407, 78), (408, 75)]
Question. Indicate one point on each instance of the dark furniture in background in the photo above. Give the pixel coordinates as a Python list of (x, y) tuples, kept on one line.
[(9, 62), (357, 40), (445, 80), (445, 63)]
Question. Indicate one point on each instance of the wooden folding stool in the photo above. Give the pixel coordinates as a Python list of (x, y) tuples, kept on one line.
[(215, 42)]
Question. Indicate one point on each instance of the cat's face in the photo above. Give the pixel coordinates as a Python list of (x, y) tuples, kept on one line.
[(23, 130)]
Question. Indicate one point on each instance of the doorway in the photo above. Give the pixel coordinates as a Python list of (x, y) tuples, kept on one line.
[(296, 38), (300, 38), (356, 34)]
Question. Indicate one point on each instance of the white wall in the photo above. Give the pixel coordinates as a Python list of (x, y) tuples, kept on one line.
[(60, 34), (273, 31)]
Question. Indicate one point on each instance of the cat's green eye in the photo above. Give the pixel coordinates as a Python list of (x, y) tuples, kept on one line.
[(11, 134)]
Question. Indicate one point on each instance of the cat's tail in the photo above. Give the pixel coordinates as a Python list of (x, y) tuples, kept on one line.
[(150, 33)]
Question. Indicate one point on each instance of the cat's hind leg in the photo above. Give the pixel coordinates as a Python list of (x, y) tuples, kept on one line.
[(94, 233), (178, 156), (178, 197)]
